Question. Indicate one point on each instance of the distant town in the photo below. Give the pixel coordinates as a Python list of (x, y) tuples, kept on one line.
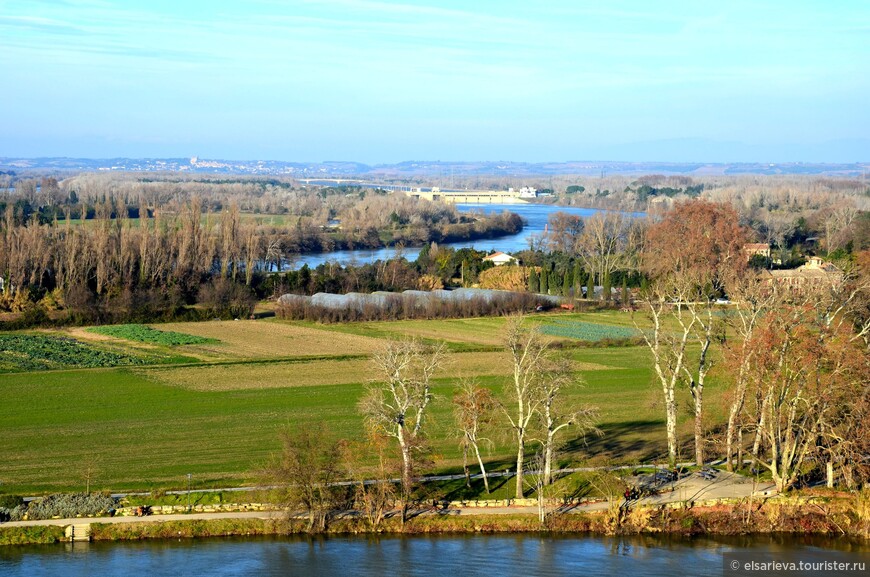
[(444, 169)]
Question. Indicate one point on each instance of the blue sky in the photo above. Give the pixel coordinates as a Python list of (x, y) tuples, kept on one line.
[(378, 81)]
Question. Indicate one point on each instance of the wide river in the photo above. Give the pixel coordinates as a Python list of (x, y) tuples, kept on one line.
[(449, 556), (535, 215)]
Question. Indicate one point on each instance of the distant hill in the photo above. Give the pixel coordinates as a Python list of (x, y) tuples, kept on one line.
[(422, 168)]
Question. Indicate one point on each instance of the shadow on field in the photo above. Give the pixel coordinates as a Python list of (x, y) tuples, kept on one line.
[(621, 442)]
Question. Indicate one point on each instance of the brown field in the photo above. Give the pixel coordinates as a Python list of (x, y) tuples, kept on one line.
[(252, 376), (264, 339)]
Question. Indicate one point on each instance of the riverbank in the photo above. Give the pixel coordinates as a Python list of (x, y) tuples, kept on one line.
[(839, 516)]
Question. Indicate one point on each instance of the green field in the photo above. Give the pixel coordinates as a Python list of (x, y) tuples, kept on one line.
[(145, 334), (215, 410)]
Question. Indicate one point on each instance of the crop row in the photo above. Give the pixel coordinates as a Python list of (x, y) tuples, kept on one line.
[(587, 331)]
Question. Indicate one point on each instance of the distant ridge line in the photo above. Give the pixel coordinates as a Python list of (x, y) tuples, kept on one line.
[(333, 168)]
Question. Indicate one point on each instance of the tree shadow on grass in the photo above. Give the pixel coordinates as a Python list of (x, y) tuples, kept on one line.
[(622, 442)]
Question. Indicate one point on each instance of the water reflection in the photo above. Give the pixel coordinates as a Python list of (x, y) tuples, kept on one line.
[(519, 554)]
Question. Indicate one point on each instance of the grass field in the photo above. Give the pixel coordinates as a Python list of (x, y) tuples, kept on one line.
[(215, 413)]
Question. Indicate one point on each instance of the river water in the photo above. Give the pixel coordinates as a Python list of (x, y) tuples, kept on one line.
[(501, 555), (535, 215)]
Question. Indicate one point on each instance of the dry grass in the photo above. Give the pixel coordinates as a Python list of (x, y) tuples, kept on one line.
[(483, 331), (264, 339), (252, 376)]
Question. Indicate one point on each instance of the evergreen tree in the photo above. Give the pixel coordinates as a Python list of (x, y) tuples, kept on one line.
[(544, 279), (566, 284), (534, 285), (590, 286), (554, 283), (577, 276), (625, 298), (606, 287)]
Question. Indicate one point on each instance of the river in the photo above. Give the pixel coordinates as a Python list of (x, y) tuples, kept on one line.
[(503, 555), (535, 216)]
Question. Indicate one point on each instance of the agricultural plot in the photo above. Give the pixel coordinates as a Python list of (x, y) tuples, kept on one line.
[(270, 339), (23, 352), (586, 331), (146, 427), (146, 334), (132, 429), (305, 373), (486, 331)]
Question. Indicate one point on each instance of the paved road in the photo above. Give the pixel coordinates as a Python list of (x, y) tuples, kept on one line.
[(691, 488)]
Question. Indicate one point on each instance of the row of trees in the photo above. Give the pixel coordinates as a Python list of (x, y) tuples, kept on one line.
[(66, 265), (396, 409), (798, 353)]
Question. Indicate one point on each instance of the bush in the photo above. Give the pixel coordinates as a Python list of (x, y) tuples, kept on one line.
[(10, 501), (66, 505), (225, 299)]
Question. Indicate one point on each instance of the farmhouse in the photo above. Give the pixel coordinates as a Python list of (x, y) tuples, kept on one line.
[(500, 258), (814, 272), (760, 248)]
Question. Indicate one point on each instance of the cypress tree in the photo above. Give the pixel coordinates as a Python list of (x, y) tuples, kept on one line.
[(543, 281), (625, 298), (606, 287), (566, 284), (554, 283), (590, 286), (534, 285)]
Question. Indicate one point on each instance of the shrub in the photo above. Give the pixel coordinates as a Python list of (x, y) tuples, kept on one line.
[(67, 505), (10, 501)]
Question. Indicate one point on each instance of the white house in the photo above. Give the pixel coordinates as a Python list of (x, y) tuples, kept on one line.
[(500, 258)]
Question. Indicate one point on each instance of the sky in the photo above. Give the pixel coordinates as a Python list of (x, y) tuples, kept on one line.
[(382, 82)]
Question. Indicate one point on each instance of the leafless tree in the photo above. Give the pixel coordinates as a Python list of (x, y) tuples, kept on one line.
[(752, 297), (306, 473), (396, 403), (606, 244), (474, 407), (804, 371), (556, 414), (374, 492), (685, 255), (528, 352)]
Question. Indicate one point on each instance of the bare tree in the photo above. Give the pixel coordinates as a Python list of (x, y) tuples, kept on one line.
[(528, 351), (753, 297), (556, 414), (805, 371), (306, 473), (374, 498), (686, 255), (395, 404), (606, 244), (473, 407)]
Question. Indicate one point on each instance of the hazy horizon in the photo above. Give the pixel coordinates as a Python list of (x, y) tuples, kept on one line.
[(383, 82)]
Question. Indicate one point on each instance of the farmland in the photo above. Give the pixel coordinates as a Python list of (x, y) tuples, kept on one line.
[(25, 352), (215, 410), (146, 334)]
